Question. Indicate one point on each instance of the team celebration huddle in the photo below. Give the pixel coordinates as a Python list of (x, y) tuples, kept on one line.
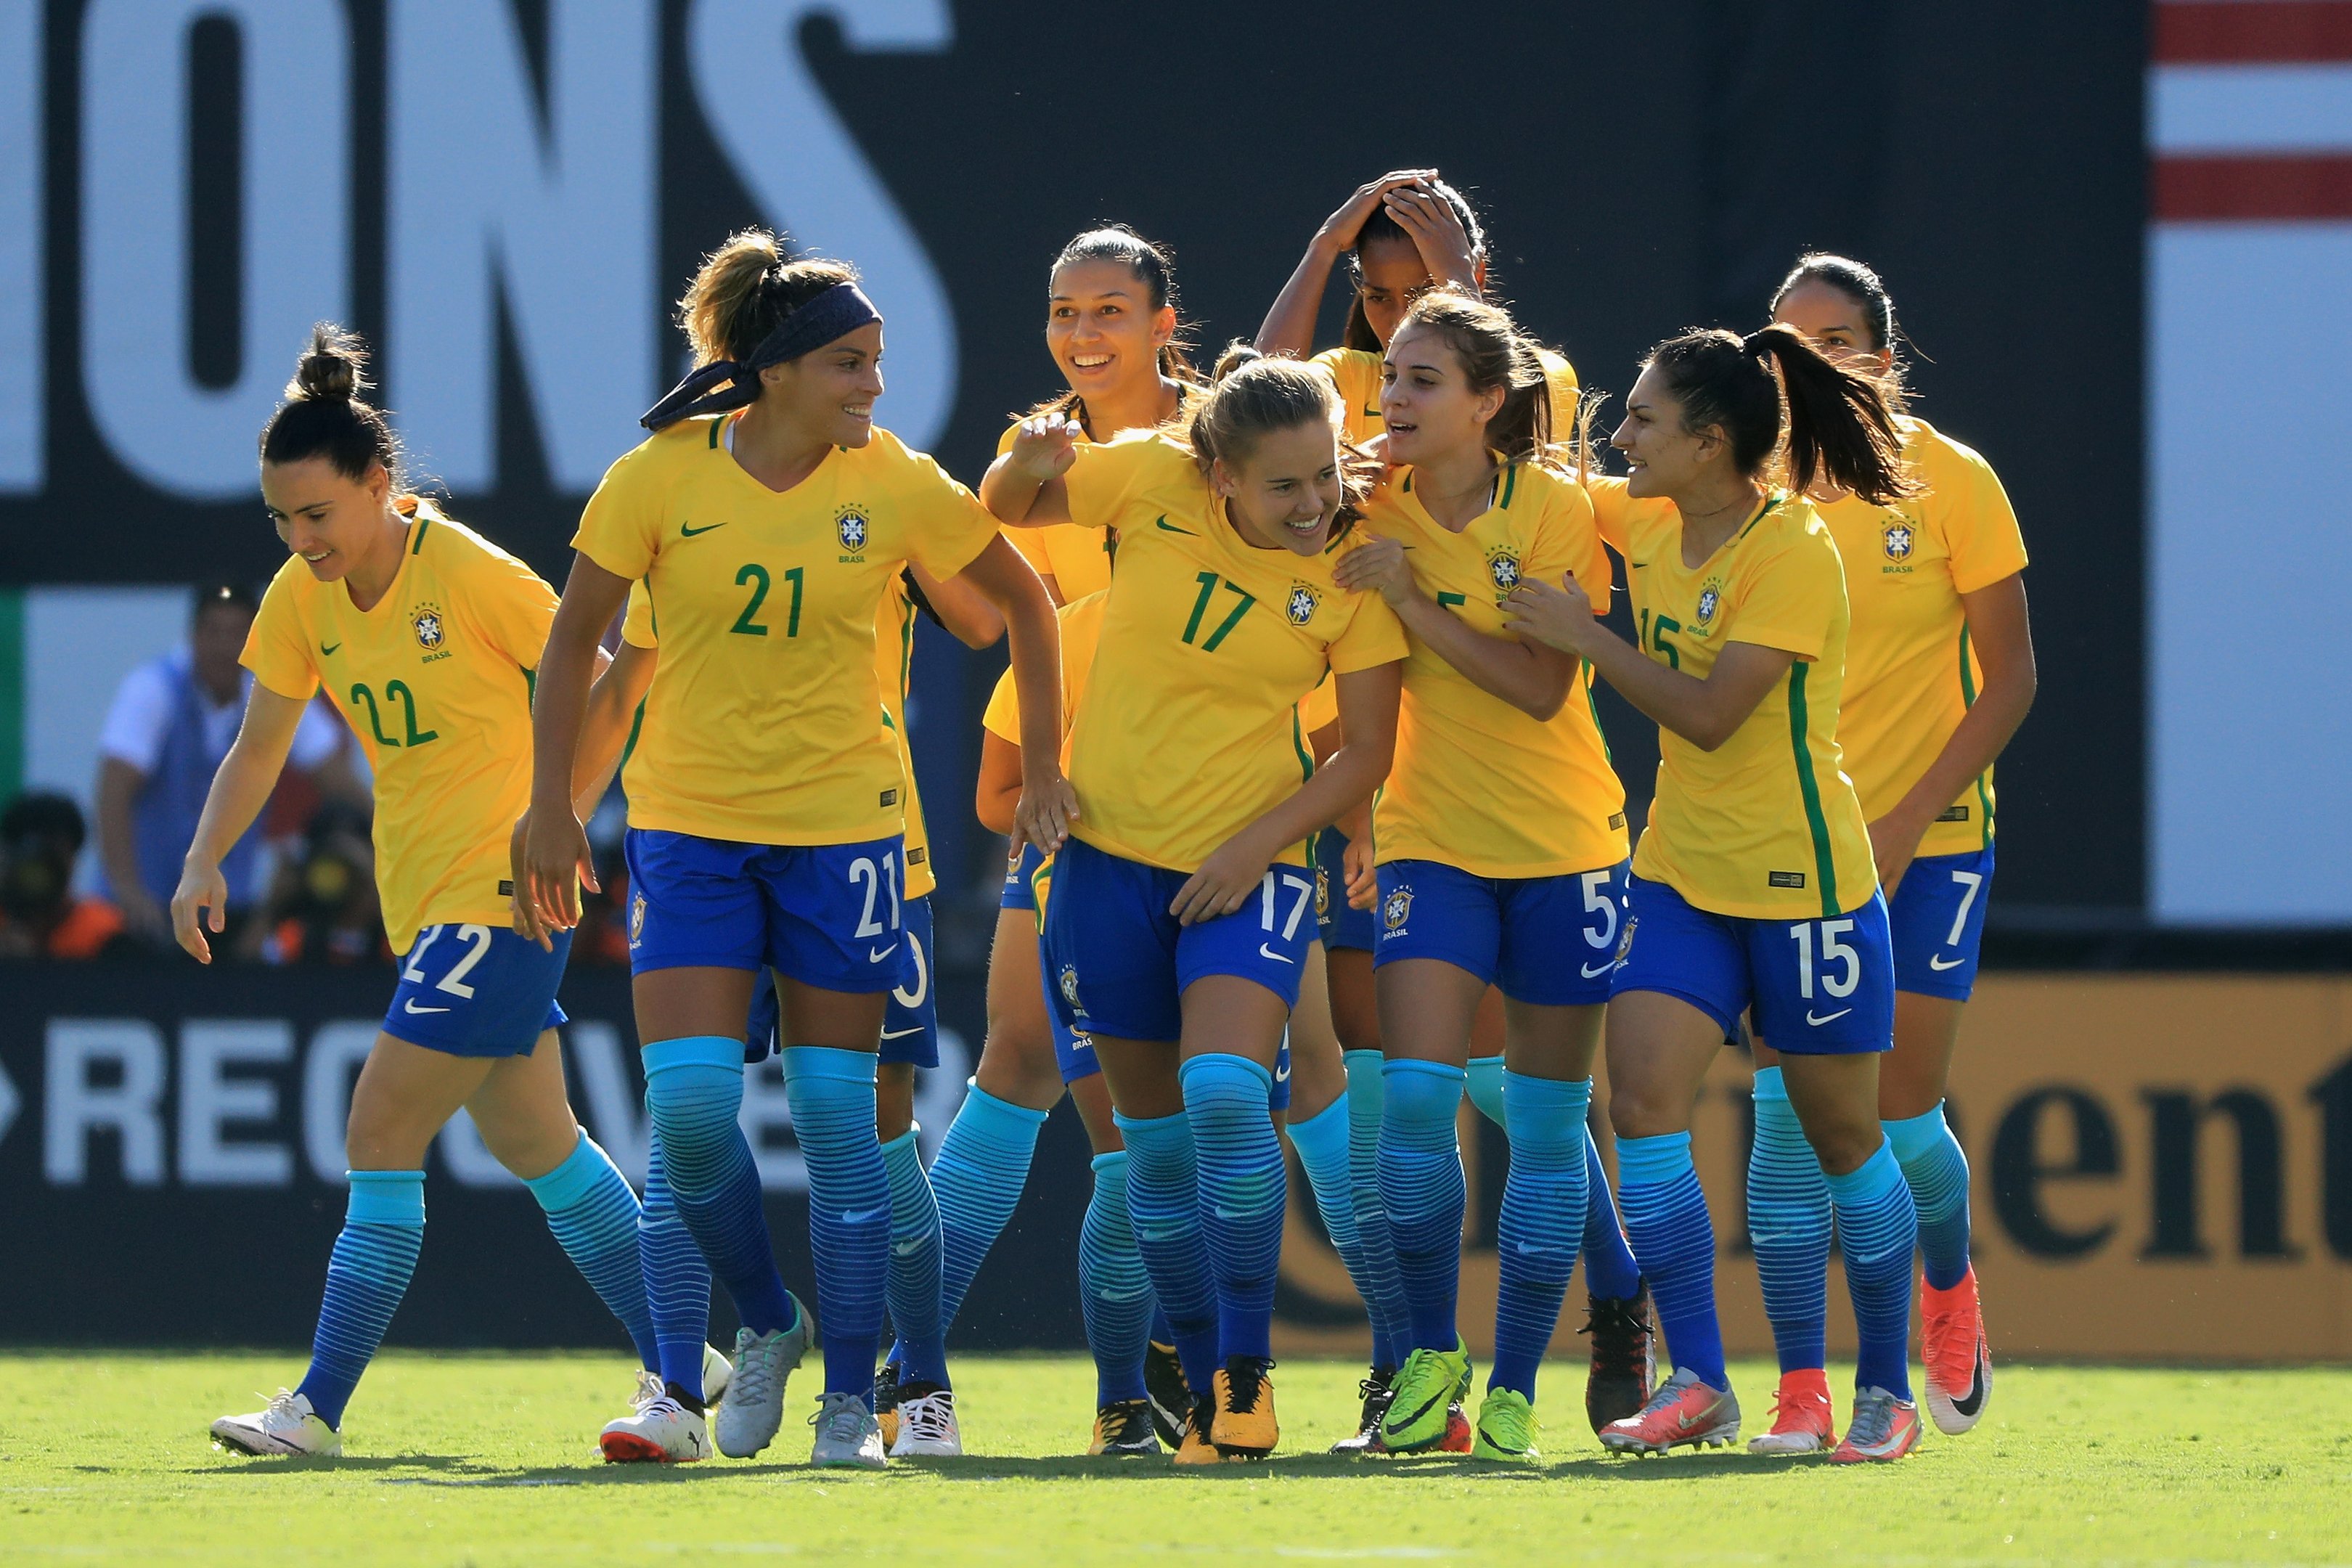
[(1315, 832)]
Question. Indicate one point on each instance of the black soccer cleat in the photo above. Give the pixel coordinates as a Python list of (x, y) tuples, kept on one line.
[(1624, 1357), (1170, 1397), (1376, 1394)]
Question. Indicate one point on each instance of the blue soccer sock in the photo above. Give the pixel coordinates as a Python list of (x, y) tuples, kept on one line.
[(594, 1214), (1937, 1171), (1163, 1202), (367, 1274), (1244, 1189), (1113, 1286), (678, 1280), (693, 1092), (1789, 1224), (976, 1178), (1486, 1088), (1542, 1222), (1610, 1271), (912, 1291), (1382, 1287), (1878, 1232), (1322, 1141), (1674, 1239), (831, 1092), (1421, 1189)]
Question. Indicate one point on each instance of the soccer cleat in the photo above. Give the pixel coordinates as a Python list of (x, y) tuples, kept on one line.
[(1377, 1393), (1507, 1428), (717, 1371), (657, 1430), (926, 1424), (1959, 1362), (1424, 1403), (1123, 1430), (886, 1401), (287, 1427), (1243, 1427), (1624, 1357), (1194, 1448), (755, 1408), (847, 1435), (1684, 1413), (1802, 1421), (1884, 1428), (1170, 1394)]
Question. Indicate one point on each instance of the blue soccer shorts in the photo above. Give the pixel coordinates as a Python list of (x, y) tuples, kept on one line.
[(476, 991), (1550, 941)]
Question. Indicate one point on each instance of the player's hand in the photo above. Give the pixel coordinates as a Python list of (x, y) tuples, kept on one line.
[(1558, 617), (1437, 232), (1893, 844), (1047, 807), (556, 865), (1375, 566), (202, 887), (1344, 227), (1226, 881), (527, 923), (1363, 877), (1044, 447)]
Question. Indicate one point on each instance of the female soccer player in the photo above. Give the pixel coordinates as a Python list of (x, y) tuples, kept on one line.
[(1754, 884), (425, 634), (1939, 673), (1501, 849), (764, 802), (1178, 921)]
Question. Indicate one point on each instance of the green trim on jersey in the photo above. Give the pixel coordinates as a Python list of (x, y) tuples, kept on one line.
[(1298, 744), (1824, 857), (424, 527), (1968, 700)]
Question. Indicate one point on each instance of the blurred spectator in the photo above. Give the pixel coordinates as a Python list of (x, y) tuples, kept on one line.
[(41, 836), (169, 724), (323, 904)]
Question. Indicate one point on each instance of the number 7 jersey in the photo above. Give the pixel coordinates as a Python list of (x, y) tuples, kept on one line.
[(435, 681)]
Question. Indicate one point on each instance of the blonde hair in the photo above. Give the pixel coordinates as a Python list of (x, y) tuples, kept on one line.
[(745, 289)]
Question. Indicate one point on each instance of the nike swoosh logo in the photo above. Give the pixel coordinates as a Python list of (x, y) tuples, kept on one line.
[(879, 954), (902, 1034), (1224, 1212), (906, 1248), (859, 1216), (325, 649), (415, 1009), (687, 530), (1137, 1295), (1975, 1400), (1266, 951), (1591, 973), (1938, 963), (1826, 1017), (1173, 529), (1686, 1421)]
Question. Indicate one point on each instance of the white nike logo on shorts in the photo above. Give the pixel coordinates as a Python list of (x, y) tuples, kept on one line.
[(1826, 1017), (1266, 951), (1938, 963), (415, 1009), (900, 1034), (1591, 974), (878, 954)]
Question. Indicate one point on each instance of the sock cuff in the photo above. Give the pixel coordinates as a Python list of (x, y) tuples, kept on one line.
[(385, 1198), (580, 1173), (1410, 1066), (693, 1051), (902, 1146), (1915, 1135), (1368, 1061), (1150, 1128), (1325, 1132), (1651, 1160), (1880, 1174), (983, 1106), (1567, 1093), (1769, 1086), (830, 1063), (1224, 1067), (1103, 1164)]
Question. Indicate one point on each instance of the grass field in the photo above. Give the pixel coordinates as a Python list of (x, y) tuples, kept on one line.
[(491, 1460)]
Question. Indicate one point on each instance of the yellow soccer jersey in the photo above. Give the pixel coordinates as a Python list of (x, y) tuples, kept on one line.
[(763, 725), (435, 682), (1477, 783), (1190, 730), (1358, 374), (1077, 557), (1766, 826), (1081, 622), (1910, 674)]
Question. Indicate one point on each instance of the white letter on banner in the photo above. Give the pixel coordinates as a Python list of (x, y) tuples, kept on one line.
[(179, 436), (768, 111), (210, 1100), (73, 1106), (24, 302), (615, 1100), (559, 224), (337, 1053)]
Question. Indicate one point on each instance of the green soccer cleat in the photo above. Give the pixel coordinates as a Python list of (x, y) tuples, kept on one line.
[(1507, 1428), (1425, 1386)]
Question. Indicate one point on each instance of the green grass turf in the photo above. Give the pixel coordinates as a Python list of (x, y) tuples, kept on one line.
[(491, 1460)]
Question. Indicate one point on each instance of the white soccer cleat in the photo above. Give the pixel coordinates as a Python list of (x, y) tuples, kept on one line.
[(288, 1426), (927, 1428), (716, 1372), (847, 1435), (658, 1431), (755, 1408)]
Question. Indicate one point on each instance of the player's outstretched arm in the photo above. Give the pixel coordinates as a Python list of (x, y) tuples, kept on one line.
[(240, 790)]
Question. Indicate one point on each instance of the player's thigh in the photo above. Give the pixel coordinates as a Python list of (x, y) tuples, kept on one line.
[(843, 1020), (1552, 1042), (1836, 1098), (1427, 1006), (1230, 1015), (1913, 1076), (1317, 1074), (405, 1095), (1660, 1047), (1091, 1094), (1354, 999), (693, 1000), (894, 1100), (1017, 1063), (523, 1113), (1142, 1076)]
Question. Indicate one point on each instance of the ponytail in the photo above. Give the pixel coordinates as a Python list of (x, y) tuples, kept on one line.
[(1835, 421), (324, 415)]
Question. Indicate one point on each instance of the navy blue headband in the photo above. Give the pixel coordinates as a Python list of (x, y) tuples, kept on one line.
[(728, 383)]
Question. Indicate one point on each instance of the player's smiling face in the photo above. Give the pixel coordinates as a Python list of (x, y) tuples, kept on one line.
[(829, 390), (1285, 490), (1101, 329), (330, 521), (1835, 323), (1426, 400), (1662, 455)]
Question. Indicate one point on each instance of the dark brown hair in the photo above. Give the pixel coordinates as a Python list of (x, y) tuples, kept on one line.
[(1151, 264), (1860, 283), (324, 416), (1252, 395), (1492, 352), (744, 290), (1835, 421), (1359, 334)]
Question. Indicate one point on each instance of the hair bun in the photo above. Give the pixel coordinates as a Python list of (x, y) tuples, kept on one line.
[(332, 369), (1238, 353)]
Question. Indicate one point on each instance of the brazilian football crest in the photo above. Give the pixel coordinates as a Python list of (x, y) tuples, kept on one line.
[(1397, 906), (1503, 570), (1300, 607), (1896, 540), (637, 919), (1322, 893), (1710, 599), (427, 625), (1070, 986), (851, 527)]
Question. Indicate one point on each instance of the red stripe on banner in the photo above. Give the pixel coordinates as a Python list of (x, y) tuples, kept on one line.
[(2199, 32), (2252, 190)]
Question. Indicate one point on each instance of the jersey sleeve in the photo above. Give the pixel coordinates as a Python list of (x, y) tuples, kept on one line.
[(1980, 525), (1789, 599), (1102, 475), (1002, 717), (1373, 636), (637, 624), (621, 530), (1566, 542), (946, 528), (512, 604), (277, 648), (1612, 509)]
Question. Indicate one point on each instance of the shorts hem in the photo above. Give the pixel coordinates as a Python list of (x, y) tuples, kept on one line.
[(447, 1049)]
